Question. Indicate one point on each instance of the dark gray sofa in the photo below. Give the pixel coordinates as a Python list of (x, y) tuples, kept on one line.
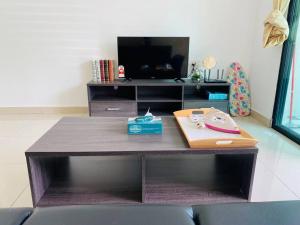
[(14, 216), (263, 213), (271, 213)]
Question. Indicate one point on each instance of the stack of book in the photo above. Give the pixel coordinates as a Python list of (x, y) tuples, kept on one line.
[(103, 70)]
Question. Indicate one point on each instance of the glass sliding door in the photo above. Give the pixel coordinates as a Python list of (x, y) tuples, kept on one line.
[(286, 114)]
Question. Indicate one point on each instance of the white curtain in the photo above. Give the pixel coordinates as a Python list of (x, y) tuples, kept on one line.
[(276, 26)]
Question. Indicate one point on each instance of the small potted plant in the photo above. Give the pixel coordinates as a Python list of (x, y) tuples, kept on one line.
[(195, 74)]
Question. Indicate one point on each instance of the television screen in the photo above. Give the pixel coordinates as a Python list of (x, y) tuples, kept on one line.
[(154, 57)]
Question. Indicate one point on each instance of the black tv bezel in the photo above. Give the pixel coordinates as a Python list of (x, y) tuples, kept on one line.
[(157, 77)]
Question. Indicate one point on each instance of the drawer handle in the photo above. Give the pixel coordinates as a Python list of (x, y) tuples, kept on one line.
[(224, 142), (113, 109)]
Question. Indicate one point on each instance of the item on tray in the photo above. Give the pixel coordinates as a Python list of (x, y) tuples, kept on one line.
[(197, 117), (220, 121)]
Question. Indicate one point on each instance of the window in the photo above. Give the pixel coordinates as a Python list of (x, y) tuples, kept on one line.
[(286, 114)]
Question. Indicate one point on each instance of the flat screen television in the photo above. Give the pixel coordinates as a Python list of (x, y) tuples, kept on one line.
[(154, 57)]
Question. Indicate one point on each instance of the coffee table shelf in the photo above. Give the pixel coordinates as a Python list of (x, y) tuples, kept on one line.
[(94, 161), (194, 179), (188, 194), (63, 194)]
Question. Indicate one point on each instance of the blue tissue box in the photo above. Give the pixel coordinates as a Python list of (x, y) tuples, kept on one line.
[(145, 127), (217, 96)]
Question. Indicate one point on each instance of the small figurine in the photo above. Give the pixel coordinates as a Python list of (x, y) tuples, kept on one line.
[(121, 71)]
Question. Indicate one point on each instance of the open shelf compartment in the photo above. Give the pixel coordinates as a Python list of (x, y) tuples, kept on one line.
[(112, 93), (87, 180), (200, 92), (190, 178), (159, 108), (159, 93), (193, 179)]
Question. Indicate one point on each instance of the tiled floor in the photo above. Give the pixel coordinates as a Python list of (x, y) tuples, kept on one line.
[(276, 176)]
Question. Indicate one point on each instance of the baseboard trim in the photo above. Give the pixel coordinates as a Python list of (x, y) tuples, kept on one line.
[(82, 109), (262, 119), (43, 110)]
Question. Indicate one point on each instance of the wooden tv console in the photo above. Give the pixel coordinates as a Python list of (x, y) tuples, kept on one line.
[(163, 97)]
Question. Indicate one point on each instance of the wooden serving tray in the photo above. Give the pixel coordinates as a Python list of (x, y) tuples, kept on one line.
[(207, 138)]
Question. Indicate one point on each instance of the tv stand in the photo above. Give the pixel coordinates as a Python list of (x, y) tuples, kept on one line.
[(163, 97), (127, 79), (179, 79)]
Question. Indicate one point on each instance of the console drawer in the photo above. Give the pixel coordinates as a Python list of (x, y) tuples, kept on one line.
[(221, 105), (113, 109)]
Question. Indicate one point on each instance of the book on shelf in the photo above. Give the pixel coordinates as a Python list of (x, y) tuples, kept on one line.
[(106, 70), (103, 70), (94, 70), (98, 71), (111, 70)]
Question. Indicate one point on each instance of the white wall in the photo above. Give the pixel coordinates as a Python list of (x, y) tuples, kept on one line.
[(264, 66), (46, 46)]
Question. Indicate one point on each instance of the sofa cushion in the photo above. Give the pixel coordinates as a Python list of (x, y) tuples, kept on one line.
[(112, 215), (266, 213), (14, 216)]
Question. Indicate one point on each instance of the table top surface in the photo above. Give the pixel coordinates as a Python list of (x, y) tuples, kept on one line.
[(108, 136)]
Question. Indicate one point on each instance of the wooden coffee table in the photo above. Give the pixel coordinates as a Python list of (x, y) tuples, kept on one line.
[(93, 160)]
